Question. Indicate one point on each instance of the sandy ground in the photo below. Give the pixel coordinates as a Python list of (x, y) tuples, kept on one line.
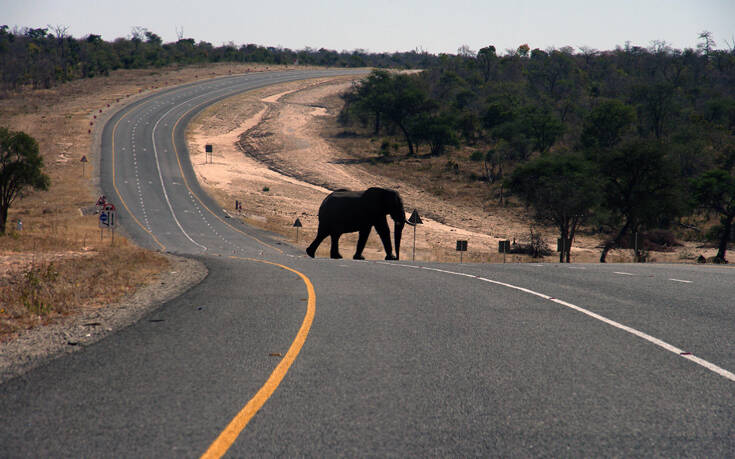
[(269, 154)]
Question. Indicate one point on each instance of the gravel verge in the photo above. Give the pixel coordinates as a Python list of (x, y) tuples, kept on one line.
[(39, 345)]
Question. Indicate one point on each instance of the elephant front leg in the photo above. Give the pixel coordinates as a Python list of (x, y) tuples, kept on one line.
[(334, 253), (384, 233), (361, 240)]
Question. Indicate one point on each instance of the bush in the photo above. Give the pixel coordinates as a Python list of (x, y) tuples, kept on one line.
[(477, 156)]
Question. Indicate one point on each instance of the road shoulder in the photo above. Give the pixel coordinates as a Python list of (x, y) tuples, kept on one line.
[(39, 345)]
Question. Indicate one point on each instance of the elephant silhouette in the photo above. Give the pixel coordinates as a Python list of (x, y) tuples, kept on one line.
[(345, 211)]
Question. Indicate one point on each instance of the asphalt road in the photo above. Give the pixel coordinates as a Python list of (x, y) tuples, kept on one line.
[(391, 358)]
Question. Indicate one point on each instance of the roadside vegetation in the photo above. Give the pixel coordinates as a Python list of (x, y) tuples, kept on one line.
[(624, 142)]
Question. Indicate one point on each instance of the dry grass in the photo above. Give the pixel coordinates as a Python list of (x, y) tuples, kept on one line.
[(55, 285)]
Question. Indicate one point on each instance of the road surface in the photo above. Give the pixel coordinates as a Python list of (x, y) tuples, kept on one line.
[(277, 354)]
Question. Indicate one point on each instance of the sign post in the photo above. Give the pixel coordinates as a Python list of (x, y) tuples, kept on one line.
[(504, 247), (208, 153), (84, 163), (461, 247), (414, 220), (108, 220), (297, 225)]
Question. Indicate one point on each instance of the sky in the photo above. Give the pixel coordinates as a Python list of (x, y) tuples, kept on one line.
[(391, 25)]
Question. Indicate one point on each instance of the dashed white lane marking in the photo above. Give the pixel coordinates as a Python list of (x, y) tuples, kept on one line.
[(623, 274), (681, 280), (651, 339), (576, 267), (163, 186)]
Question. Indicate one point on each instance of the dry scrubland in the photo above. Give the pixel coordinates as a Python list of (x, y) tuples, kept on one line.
[(280, 150), (57, 264)]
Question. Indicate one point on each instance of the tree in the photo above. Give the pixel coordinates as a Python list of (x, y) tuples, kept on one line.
[(487, 59), (639, 188), (606, 124), (541, 127), (708, 45), (561, 188), (369, 97), (437, 131), (715, 191), (406, 101), (20, 167)]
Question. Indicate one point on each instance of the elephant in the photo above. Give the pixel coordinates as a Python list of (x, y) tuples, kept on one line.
[(345, 211)]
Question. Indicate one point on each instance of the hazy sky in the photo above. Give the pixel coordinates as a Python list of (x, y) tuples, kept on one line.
[(391, 25)]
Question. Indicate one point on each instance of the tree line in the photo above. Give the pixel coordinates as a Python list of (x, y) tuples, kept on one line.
[(44, 57), (622, 141)]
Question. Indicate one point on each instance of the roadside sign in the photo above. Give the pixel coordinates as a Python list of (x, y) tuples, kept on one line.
[(107, 219), (461, 247), (297, 224), (104, 219), (414, 220), (208, 155)]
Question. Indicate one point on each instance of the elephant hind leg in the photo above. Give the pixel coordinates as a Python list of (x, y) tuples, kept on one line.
[(320, 236), (334, 252)]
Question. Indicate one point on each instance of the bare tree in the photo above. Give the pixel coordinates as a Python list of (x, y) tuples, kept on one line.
[(709, 43), (465, 51)]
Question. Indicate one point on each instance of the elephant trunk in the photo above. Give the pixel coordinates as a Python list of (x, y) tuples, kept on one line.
[(397, 234)]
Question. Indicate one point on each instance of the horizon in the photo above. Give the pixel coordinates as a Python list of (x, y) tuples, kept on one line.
[(388, 27)]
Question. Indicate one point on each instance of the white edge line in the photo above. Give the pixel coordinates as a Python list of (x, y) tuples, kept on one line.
[(651, 339), (623, 274), (681, 280)]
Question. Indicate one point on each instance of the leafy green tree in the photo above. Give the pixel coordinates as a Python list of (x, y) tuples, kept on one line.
[(406, 101), (606, 124), (639, 188), (20, 167), (562, 189), (715, 191), (541, 126), (370, 97), (437, 131), (656, 107), (487, 60)]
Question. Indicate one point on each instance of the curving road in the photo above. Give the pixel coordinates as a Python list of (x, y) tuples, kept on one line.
[(274, 354)]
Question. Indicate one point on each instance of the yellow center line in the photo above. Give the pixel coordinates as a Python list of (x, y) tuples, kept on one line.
[(119, 195), (228, 436)]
